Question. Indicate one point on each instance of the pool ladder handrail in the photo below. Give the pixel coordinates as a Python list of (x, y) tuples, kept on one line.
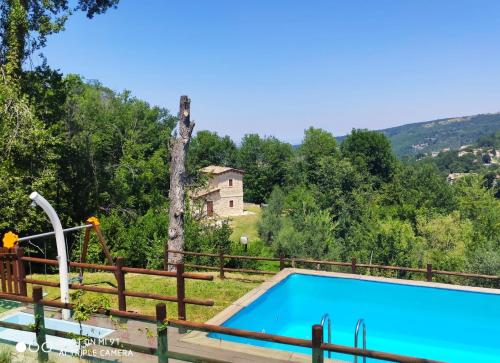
[(356, 331), (324, 318)]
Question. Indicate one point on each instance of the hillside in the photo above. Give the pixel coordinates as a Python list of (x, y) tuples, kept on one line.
[(425, 137), (428, 136)]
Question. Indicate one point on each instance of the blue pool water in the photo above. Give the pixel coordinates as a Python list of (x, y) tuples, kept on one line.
[(435, 323), (53, 343)]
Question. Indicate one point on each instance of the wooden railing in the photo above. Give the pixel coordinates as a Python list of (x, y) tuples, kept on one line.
[(161, 350), (354, 266), (14, 280), (317, 344)]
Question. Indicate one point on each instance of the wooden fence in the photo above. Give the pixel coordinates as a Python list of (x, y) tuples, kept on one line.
[(353, 266), (164, 354), (14, 280)]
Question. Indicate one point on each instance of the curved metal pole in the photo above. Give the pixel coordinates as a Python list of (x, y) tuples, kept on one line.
[(356, 331), (327, 318), (61, 248)]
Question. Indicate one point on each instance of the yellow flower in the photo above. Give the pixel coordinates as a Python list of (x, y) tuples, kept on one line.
[(94, 221), (10, 239)]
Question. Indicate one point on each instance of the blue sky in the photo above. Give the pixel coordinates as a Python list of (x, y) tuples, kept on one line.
[(276, 67)]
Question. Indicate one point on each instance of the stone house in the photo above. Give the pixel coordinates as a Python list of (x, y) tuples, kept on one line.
[(223, 197)]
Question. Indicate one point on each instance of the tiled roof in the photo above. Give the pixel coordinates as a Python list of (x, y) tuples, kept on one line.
[(216, 169)]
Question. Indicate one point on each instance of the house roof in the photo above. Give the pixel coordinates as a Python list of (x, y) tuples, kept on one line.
[(203, 193), (216, 169)]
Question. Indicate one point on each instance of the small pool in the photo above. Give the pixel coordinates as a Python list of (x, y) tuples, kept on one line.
[(53, 343), (436, 323)]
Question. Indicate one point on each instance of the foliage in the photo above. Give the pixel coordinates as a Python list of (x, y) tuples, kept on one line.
[(364, 204), (25, 25), (91, 150), (6, 355), (371, 149), (317, 145), (446, 238), (84, 305), (264, 162), (208, 148)]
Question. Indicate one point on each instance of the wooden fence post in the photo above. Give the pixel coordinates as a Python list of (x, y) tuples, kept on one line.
[(317, 340), (162, 332), (221, 264), (282, 262), (181, 294), (21, 273), (43, 355), (429, 272), (353, 265), (120, 282)]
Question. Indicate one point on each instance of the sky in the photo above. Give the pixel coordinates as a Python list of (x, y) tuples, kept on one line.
[(276, 67)]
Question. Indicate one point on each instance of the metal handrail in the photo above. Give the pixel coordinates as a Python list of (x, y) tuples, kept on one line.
[(46, 234), (356, 331), (324, 318)]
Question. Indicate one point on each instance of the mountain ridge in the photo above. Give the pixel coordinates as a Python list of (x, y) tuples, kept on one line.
[(427, 136)]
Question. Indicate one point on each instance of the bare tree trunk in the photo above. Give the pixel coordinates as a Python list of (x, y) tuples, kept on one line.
[(178, 151)]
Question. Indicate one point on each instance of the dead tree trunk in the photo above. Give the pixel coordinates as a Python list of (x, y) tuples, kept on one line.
[(178, 152)]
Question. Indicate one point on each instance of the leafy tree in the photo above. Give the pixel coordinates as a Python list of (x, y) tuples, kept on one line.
[(25, 25), (446, 239), (415, 189), (208, 148), (337, 180), (479, 205), (492, 140), (316, 145), (372, 149), (264, 162), (270, 223), (396, 244), (301, 228)]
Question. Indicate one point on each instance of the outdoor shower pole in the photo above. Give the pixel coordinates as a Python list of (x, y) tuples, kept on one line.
[(62, 259)]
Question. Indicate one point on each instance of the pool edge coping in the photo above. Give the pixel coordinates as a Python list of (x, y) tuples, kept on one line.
[(201, 338)]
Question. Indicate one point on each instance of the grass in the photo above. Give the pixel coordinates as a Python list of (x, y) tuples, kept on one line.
[(246, 225), (222, 292), (5, 355)]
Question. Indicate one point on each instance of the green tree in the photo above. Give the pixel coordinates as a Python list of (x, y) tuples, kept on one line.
[(25, 25), (264, 162), (270, 224), (396, 244), (302, 228), (372, 149), (446, 239), (207, 148), (317, 145), (417, 189)]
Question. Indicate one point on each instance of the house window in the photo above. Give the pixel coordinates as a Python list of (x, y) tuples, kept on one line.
[(231, 204), (230, 182)]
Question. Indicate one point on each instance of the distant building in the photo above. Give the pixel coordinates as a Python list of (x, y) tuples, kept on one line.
[(453, 177), (223, 197)]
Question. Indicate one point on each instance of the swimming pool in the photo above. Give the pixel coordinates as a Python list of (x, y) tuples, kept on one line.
[(53, 343), (444, 324)]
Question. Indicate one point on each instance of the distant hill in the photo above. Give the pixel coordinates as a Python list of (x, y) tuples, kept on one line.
[(425, 137)]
